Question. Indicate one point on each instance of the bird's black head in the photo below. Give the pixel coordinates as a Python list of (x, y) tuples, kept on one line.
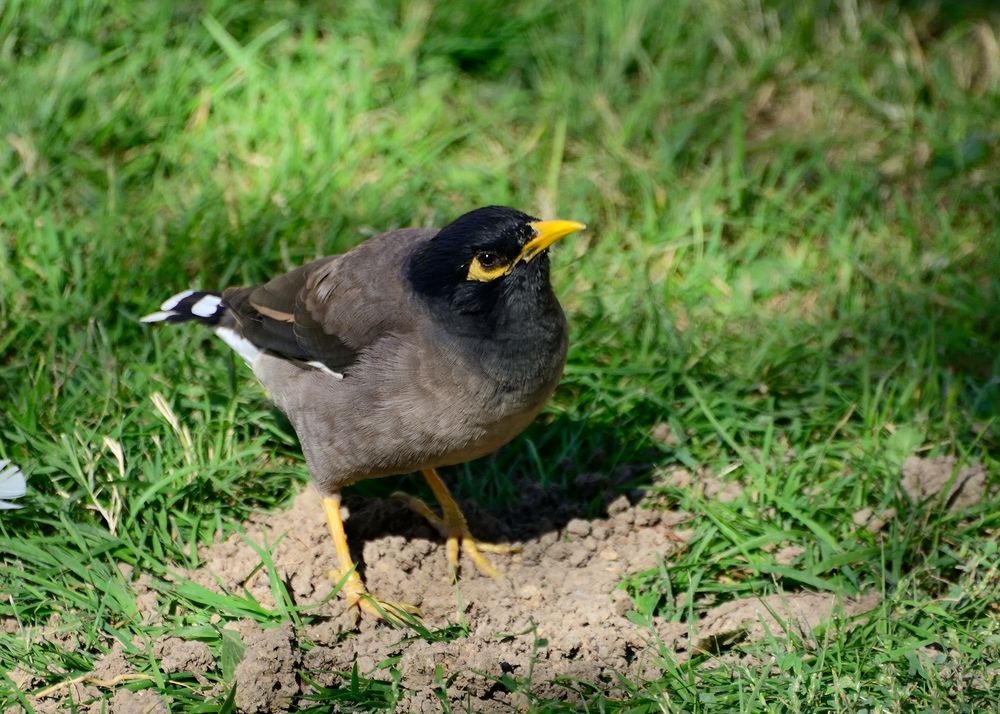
[(490, 262)]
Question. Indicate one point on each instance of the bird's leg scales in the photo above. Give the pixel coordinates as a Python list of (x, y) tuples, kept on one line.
[(453, 526), (351, 586)]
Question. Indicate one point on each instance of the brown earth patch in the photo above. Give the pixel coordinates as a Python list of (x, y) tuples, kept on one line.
[(267, 675), (142, 702), (558, 613), (927, 478), (178, 655), (778, 615)]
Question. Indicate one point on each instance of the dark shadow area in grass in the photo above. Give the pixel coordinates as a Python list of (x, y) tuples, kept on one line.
[(943, 15)]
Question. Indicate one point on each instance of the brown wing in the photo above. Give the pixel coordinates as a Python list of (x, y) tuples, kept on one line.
[(329, 310)]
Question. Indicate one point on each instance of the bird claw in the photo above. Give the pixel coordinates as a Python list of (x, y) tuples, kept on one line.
[(363, 602), (455, 530), (475, 549)]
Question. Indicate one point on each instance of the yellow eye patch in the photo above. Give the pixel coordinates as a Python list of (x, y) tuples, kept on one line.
[(485, 270)]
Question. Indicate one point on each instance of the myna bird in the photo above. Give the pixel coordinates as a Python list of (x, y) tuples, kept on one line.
[(416, 349)]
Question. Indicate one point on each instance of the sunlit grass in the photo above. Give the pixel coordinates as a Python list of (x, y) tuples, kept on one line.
[(792, 260)]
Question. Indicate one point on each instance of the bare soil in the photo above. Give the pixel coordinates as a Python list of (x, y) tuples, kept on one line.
[(557, 612), (927, 478), (557, 615)]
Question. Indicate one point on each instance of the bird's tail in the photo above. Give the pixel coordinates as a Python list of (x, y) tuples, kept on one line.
[(199, 305), (206, 308)]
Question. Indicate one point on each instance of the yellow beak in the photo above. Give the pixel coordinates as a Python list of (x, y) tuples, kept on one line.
[(547, 233)]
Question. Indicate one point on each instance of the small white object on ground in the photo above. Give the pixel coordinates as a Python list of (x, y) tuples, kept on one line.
[(12, 484)]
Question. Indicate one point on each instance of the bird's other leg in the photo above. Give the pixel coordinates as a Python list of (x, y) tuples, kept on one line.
[(352, 588), (453, 526)]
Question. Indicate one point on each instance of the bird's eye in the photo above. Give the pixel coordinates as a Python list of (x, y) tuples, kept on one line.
[(488, 260), (487, 266)]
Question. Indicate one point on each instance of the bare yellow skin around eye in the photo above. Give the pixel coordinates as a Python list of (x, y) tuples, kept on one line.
[(478, 272)]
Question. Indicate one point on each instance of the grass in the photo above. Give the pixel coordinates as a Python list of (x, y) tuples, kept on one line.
[(793, 261)]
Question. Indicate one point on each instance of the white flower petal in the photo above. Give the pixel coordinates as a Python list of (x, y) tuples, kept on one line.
[(12, 483)]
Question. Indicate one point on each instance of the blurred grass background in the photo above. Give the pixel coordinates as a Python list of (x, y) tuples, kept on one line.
[(792, 262)]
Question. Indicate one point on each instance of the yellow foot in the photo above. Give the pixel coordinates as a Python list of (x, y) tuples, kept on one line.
[(348, 582), (357, 596), (455, 530)]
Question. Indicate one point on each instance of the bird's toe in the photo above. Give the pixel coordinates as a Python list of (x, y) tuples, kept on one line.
[(362, 602)]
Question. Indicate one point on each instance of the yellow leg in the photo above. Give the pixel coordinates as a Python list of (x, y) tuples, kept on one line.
[(353, 590), (453, 526)]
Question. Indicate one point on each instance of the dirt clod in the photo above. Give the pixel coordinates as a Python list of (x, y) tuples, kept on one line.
[(266, 677), (787, 555), (111, 664), (866, 518), (178, 655), (752, 618), (925, 478), (22, 678), (664, 434), (578, 527), (145, 701), (712, 487)]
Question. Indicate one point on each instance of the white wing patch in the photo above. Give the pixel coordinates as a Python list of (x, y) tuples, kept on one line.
[(250, 352), (171, 302), (323, 368), (206, 307), (156, 316), (241, 345), (12, 484)]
